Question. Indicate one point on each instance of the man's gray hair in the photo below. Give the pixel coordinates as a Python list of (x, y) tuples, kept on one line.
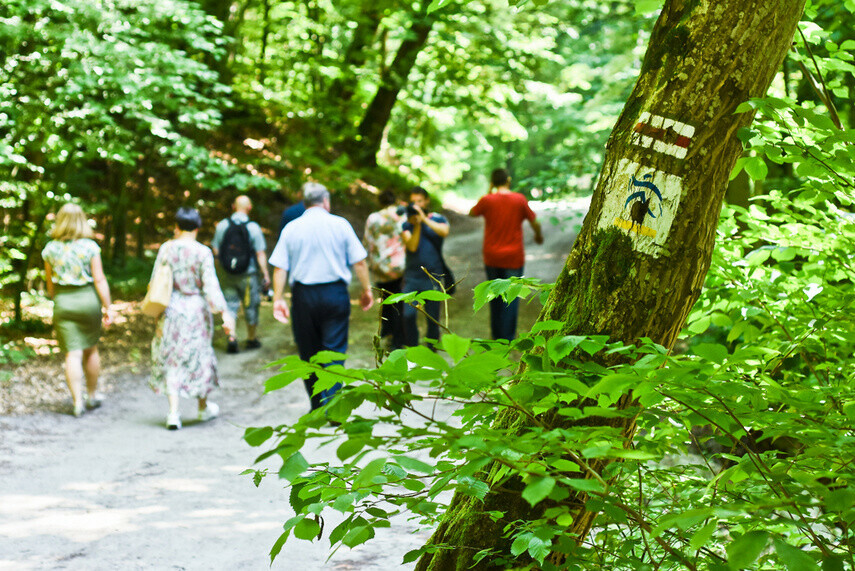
[(314, 193)]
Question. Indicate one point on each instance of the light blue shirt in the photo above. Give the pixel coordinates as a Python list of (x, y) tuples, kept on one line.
[(256, 237), (317, 248)]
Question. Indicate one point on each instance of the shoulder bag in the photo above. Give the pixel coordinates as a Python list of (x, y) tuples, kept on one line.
[(159, 290)]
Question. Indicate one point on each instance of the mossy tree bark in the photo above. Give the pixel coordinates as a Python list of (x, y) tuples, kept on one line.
[(631, 275)]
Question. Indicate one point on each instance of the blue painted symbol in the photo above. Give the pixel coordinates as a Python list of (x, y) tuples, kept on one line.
[(640, 201)]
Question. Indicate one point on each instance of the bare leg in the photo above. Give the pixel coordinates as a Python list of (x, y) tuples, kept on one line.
[(173, 419), (203, 403), (74, 378), (173, 403), (92, 369)]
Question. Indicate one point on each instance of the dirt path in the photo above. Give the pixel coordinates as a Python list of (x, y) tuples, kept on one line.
[(115, 490)]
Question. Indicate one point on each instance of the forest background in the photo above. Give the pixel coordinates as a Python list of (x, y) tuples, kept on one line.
[(136, 107)]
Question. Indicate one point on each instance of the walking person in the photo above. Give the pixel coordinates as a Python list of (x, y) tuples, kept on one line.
[(504, 212), (386, 257), (423, 234), (183, 360), (242, 251), (318, 250), (291, 213), (75, 281)]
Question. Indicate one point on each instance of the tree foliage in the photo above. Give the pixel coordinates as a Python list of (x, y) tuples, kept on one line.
[(104, 102)]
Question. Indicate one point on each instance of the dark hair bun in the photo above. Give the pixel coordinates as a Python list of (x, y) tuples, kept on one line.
[(188, 219)]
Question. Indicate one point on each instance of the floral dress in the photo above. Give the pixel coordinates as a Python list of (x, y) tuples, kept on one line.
[(386, 253), (183, 359)]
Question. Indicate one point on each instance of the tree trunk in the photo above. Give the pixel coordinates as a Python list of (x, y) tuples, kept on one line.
[(631, 275), (370, 132), (119, 216), (265, 34)]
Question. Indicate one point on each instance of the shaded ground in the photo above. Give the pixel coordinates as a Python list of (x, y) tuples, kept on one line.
[(114, 489)]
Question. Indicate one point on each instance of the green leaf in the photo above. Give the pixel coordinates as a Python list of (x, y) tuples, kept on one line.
[(711, 352), (350, 447), (703, 535), (438, 5), (583, 484), (293, 467), (277, 547), (413, 555), (614, 384), (257, 436), (367, 474), (455, 346), (424, 357), (413, 465), (795, 559), (358, 535), (756, 168), (700, 325), (537, 490), (307, 529), (433, 295), (647, 6), (832, 563), (744, 550)]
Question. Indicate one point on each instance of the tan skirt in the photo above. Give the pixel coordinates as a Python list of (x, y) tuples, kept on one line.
[(76, 317)]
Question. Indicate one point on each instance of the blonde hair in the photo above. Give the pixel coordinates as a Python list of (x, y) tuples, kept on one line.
[(70, 224)]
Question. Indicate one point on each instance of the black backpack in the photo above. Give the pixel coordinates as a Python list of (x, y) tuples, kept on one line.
[(236, 248)]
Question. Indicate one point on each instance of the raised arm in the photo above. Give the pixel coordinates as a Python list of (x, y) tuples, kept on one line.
[(411, 237), (441, 228)]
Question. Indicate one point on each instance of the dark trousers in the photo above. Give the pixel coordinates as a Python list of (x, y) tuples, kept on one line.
[(503, 316), (411, 314), (319, 318), (391, 316)]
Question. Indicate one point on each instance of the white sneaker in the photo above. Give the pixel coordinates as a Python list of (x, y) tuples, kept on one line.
[(94, 400), (209, 412), (78, 409), (173, 421)]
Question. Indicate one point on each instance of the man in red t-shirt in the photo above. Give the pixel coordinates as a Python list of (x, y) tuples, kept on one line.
[(504, 212)]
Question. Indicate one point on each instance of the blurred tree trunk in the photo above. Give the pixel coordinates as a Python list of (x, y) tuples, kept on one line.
[(363, 149), (261, 65), (144, 196), (630, 275), (118, 182), (231, 14), (368, 22)]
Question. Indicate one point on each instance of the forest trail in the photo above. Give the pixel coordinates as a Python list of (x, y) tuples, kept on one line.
[(116, 490)]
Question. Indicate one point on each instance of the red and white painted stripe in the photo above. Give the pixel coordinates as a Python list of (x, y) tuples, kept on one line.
[(662, 135)]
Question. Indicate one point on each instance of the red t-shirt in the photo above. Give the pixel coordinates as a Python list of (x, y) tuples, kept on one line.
[(504, 213)]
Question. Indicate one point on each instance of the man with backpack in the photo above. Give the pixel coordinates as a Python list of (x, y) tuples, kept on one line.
[(240, 247)]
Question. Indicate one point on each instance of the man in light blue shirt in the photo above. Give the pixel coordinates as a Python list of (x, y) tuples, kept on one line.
[(317, 252), (244, 286)]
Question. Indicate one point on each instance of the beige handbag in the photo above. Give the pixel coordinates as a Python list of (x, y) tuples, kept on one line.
[(159, 290)]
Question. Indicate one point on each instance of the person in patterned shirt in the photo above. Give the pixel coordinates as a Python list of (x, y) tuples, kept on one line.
[(75, 280), (386, 257)]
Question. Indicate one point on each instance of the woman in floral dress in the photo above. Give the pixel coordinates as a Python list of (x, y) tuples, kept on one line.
[(183, 360)]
